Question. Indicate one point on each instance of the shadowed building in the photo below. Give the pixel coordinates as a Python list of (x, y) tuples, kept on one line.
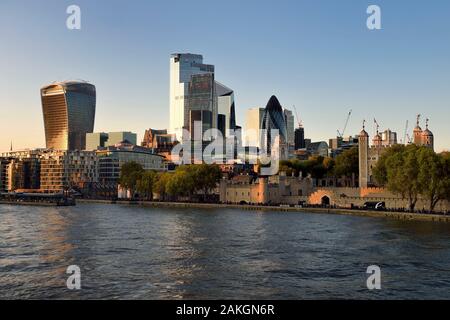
[(69, 114), (290, 129), (300, 138)]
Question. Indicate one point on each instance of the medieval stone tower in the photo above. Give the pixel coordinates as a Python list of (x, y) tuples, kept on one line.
[(369, 155), (363, 157)]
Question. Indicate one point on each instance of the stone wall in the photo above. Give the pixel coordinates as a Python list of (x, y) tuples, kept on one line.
[(348, 197)]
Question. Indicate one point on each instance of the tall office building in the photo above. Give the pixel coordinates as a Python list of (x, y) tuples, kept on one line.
[(273, 119), (289, 120), (201, 104), (226, 108), (69, 114), (183, 66), (300, 138), (253, 123)]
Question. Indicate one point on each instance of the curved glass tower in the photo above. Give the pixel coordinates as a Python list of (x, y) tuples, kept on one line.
[(273, 118), (69, 113)]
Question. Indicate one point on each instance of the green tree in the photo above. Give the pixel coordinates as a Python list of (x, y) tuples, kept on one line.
[(403, 174), (145, 184), (347, 163), (380, 170), (434, 176), (181, 184), (160, 185), (130, 174), (206, 177)]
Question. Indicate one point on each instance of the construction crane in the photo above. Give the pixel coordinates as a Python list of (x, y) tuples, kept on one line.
[(341, 135), (406, 132), (300, 124), (376, 125), (409, 141)]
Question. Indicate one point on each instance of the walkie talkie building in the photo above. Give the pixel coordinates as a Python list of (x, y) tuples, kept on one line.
[(69, 113)]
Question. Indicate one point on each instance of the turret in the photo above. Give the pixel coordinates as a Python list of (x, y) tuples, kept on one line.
[(427, 137), (418, 132)]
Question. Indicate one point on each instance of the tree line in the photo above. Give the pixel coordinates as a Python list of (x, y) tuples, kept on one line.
[(413, 172), (346, 164), (186, 181)]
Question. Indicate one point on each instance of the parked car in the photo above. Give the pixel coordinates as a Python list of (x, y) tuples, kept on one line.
[(373, 205)]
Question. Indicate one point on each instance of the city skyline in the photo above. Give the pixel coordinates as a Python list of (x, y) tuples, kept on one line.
[(382, 78)]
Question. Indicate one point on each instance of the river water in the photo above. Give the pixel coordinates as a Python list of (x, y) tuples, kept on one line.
[(128, 252)]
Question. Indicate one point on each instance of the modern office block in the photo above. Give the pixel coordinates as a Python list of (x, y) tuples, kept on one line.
[(182, 67), (69, 113), (253, 123), (98, 140)]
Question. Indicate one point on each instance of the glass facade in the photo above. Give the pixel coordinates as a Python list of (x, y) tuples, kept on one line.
[(112, 159), (61, 170), (182, 67), (201, 103), (273, 118), (69, 113)]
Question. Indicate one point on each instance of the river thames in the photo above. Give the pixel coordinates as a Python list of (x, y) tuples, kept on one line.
[(128, 252)]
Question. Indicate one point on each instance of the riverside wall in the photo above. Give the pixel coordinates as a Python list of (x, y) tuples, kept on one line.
[(402, 216)]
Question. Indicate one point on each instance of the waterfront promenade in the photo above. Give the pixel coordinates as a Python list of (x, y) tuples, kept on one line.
[(406, 216)]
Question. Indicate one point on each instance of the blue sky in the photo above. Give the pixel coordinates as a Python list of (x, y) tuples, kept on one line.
[(318, 55)]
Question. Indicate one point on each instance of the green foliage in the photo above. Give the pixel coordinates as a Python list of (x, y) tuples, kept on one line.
[(403, 174), (434, 176), (160, 184), (145, 184), (186, 181), (380, 170), (414, 171), (347, 163), (318, 167), (130, 174)]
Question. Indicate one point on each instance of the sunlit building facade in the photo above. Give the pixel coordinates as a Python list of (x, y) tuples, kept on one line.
[(98, 140), (69, 114), (183, 66), (65, 170), (253, 122)]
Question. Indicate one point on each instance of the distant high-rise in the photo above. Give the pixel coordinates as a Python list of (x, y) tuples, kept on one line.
[(201, 104), (253, 124), (273, 119), (226, 107), (183, 66), (290, 128), (69, 114), (300, 138)]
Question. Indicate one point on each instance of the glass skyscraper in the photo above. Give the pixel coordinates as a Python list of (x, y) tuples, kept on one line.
[(69, 113), (183, 67), (273, 119)]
